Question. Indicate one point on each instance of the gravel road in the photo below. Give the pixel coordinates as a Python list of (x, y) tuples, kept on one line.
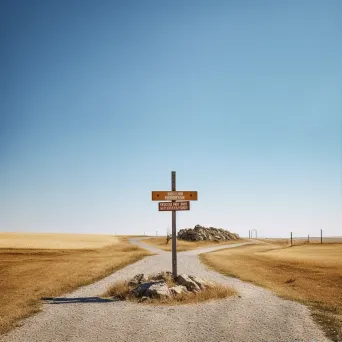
[(257, 316)]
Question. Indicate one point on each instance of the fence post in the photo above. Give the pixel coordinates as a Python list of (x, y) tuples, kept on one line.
[(291, 239), (308, 238), (321, 236)]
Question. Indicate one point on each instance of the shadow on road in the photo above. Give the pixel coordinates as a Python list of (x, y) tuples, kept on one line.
[(52, 300)]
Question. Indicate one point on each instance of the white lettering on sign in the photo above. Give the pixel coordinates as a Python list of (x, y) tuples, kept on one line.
[(171, 206), (174, 198), (177, 204)]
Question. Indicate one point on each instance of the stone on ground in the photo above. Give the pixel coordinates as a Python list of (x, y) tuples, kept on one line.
[(141, 290), (158, 290), (162, 276), (178, 289), (199, 281), (157, 286), (152, 289), (200, 233), (184, 279), (137, 279)]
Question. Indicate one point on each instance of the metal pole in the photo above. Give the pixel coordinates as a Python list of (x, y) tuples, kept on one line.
[(321, 236), (174, 238), (291, 238)]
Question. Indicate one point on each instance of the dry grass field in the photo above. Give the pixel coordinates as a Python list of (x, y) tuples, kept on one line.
[(182, 245), (56, 241), (308, 273), (29, 273)]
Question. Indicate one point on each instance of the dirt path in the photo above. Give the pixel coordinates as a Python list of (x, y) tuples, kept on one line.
[(257, 316)]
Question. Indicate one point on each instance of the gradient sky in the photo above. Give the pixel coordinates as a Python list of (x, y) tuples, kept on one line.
[(101, 100)]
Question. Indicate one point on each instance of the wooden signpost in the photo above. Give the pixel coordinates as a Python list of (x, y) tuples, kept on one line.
[(183, 198)]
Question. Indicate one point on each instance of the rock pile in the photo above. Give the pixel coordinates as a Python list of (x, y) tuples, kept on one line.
[(200, 233), (157, 286)]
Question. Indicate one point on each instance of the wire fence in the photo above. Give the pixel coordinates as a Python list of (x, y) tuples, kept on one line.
[(321, 239), (293, 240)]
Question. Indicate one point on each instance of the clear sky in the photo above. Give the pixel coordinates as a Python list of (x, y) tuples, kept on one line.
[(101, 100)]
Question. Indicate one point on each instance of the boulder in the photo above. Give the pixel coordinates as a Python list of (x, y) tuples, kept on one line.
[(157, 287), (152, 289), (185, 280), (158, 290), (178, 289), (199, 281), (137, 279), (162, 276), (199, 233), (141, 290)]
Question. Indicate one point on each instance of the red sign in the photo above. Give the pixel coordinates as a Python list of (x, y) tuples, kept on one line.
[(172, 206)]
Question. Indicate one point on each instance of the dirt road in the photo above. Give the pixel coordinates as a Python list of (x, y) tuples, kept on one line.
[(257, 316)]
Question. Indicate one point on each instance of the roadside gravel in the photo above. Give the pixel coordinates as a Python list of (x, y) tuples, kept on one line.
[(257, 316)]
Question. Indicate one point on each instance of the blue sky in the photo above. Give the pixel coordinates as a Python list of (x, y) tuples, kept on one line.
[(101, 100)]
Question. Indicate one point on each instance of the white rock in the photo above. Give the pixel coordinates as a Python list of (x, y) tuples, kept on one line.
[(178, 289), (184, 279), (199, 281), (159, 290), (143, 299)]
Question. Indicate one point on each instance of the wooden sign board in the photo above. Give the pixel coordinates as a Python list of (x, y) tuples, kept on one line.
[(174, 195), (172, 206)]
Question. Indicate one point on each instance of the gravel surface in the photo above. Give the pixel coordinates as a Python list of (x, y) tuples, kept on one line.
[(257, 316)]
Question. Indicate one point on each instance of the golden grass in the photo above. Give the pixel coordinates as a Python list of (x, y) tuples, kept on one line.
[(182, 245), (121, 290), (27, 275), (309, 273), (56, 241)]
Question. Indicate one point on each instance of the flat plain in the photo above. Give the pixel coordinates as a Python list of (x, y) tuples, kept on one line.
[(310, 273), (56, 241), (253, 314), (33, 266)]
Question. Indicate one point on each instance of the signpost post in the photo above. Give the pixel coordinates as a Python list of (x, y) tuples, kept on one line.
[(174, 238), (179, 201)]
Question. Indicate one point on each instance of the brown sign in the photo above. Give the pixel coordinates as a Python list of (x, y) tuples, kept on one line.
[(174, 195), (171, 206)]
